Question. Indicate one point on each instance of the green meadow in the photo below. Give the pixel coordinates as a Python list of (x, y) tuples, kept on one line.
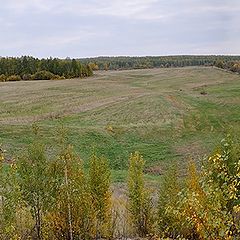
[(169, 115)]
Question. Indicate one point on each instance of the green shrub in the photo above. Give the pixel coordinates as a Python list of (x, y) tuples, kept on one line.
[(9, 199), (43, 75), (27, 77), (210, 203), (168, 223), (13, 78), (139, 199), (57, 77), (72, 217), (99, 183), (55, 197), (36, 181), (3, 78)]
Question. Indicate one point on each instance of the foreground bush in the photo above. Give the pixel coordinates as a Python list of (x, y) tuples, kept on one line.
[(55, 198), (210, 203), (34, 170), (9, 200), (73, 214), (169, 222), (99, 185), (139, 199)]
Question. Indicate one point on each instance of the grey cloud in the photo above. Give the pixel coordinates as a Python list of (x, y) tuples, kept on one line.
[(78, 28)]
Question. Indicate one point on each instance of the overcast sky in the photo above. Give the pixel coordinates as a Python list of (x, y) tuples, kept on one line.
[(83, 28)]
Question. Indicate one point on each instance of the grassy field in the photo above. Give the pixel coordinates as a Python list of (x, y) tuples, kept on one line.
[(168, 115)]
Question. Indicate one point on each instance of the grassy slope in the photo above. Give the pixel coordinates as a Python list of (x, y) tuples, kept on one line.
[(159, 112)]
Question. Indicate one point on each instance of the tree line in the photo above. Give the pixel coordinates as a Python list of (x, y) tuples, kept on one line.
[(30, 68), (233, 66), (121, 63), (51, 196)]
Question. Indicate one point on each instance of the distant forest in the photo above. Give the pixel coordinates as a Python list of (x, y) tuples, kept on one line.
[(121, 63), (30, 68)]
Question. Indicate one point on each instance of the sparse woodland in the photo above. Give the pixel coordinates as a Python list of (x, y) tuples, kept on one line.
[(47, 194)]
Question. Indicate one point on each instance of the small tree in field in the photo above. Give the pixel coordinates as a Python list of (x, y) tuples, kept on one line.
[(210, 203), (35, 180), (139, 200), (72, 216), (168, 223), (99, 184)]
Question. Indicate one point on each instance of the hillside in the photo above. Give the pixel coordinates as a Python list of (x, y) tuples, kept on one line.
[(166, 114)]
